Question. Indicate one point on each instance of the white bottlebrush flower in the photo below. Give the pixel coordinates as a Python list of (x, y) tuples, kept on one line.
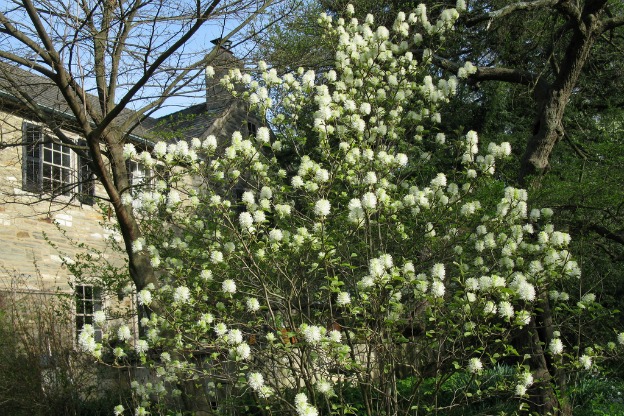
[(437, 288), (401, 159), (246, 220), (210, 143), (255, 381), (141, 346), (523, 318), (520, 390), (620, 338), (145, 297), (253, 305), (137, 245), (439, 181), (118, 410), (489, 308), (526, 379), (99, 318), (296, 181), (243, 351), (248, 198), (526, 291), (129, 151), (334, 335), (471, 284), (343, 298), (556, 346), (276, 235), (206, 275), (173, 199), (438, 271), (475, 365), (216, 256), (505, 310), (206, 319), (370, 178), (266, 193), (263, 135), (369, 201), (322, 207), (312, 333), (283, 210), (124, 333), (324, 387), (303, 407), (228, 286), (160, 149), (322, 175), (85, 339), (588, 298), (182, 294), (235, 336), (220, 329), (259, 216), (585, 361)]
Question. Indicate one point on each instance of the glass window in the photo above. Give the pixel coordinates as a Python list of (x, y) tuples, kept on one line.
[(51, 167), (88, 301)]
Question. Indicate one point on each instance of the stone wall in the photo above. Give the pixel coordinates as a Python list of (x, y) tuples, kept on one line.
[(26, 219)]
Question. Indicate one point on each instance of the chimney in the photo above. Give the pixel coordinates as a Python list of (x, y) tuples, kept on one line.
[(224, 60)]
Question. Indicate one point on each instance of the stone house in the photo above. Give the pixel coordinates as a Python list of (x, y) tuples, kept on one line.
[(48, 196)]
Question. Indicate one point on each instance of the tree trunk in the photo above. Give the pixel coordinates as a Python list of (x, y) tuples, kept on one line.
[(548, 128), (543, 399)]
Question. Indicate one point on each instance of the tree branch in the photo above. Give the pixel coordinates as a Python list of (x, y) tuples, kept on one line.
[(520, 6), (123, 102), (612, 23), (15, 33)]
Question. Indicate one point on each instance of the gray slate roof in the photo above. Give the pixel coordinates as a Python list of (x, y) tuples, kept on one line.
[(189, 122)]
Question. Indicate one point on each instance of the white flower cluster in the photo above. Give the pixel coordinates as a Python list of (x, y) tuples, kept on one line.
[(303, 407), (475, 365), (525, 381), (379, 270), (255, 381), (86, 341)]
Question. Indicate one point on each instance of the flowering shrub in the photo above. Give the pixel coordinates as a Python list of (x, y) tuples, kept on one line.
[(316, 268)]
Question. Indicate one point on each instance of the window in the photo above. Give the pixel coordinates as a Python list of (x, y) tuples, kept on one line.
[(138, 174), (252, 129), (88, 301), (51, 167)]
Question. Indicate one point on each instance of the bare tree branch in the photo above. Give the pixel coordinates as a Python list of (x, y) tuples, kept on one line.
[(512, 8)]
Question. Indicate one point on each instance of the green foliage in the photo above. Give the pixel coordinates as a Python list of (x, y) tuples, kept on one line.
[(594, 395)]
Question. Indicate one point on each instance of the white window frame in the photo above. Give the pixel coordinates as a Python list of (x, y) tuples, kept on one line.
[(139, 175), (88, 300), (50, 167)]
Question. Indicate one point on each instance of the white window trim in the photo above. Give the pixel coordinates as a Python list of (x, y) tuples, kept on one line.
[(74, 168), (97, 304)]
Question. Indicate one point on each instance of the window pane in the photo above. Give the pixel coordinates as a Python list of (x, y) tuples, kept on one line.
[(47, 155), (80, 308), (56, 158), (86, 180)]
